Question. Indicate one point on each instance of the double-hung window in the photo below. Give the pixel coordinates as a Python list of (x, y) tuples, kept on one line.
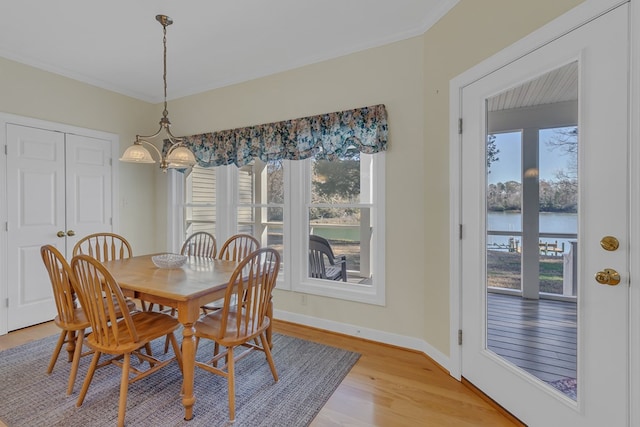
[(282, 202)]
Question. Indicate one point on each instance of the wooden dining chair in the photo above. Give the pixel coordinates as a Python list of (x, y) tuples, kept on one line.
[(119, 338), (242, 325), (70, 319), (238, 247), (235, 248), (200, 244), (103, 246)]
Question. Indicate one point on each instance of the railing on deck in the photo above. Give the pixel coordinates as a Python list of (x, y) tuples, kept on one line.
[(550, 244)]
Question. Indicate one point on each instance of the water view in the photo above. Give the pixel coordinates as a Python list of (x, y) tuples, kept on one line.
[(550, 222)]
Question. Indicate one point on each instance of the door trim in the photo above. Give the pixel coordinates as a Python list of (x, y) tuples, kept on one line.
[(634, 206), (576, 17), (5, 119)]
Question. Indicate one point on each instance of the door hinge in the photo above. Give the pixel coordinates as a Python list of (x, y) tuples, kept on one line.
[(460, 231), (6, 151), (6, 302), (6, 226), (459, 336), (460, 126)]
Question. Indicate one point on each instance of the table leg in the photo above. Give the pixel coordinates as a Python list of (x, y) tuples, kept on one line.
[(188, 367)]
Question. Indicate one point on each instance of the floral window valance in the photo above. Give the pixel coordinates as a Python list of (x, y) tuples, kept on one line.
[(325, 136)]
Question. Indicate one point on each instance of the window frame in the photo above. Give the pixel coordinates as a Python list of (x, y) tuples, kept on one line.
[(294, 275)]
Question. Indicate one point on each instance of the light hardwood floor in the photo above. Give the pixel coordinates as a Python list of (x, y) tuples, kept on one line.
[(388, 386)]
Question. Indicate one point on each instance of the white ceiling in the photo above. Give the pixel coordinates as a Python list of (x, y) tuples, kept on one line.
[(117, 44)]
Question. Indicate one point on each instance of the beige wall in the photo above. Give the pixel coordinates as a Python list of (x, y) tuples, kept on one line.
[(391, 75), (30, 92), (410, 77)]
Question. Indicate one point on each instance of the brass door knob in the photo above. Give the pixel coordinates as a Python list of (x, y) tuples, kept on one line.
[(60, 234), (608, 277), (71, 233)]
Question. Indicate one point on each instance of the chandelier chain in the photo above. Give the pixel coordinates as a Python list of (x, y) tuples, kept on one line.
[(165, 113)]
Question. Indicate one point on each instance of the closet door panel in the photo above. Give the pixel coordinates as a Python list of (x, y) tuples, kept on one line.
[(36, 201), (88, 179)]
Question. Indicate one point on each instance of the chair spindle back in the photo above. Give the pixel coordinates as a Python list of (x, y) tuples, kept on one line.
[(238, 247), (100, 297), (103, 246), (200, 244), (254, 278), (62, 281)]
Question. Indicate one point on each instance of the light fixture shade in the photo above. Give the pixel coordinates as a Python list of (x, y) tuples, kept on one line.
[(181, 157), (136, 153)]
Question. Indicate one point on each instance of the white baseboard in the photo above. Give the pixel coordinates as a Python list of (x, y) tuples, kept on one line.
[(366, 333)]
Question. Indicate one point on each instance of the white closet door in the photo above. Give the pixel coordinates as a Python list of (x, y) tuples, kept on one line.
[(88, 187), (36, 212), (58, 189)]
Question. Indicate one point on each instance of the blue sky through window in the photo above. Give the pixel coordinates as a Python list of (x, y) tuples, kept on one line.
[(508, 167)]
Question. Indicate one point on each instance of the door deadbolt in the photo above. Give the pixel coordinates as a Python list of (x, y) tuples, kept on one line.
[(608, 277), (609, 243)]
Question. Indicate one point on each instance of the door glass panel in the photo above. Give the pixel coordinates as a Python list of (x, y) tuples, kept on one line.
[(558, 181), (504, 218), (531, 220)]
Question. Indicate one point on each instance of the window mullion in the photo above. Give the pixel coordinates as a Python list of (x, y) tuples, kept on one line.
[(227, 202), (296, 221), (175, 211)]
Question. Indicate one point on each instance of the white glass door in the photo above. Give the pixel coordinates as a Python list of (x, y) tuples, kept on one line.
[(543, 336)]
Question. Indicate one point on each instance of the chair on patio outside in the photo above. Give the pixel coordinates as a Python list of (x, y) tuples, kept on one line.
[(119, 338), (323, 264), (242, 325)]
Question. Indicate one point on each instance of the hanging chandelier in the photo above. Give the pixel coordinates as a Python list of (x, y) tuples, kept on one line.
[(178, 155)]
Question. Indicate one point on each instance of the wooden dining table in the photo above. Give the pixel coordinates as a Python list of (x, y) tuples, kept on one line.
[(198, 282)]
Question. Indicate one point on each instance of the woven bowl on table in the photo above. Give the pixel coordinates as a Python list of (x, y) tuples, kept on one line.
[(169, 260)]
